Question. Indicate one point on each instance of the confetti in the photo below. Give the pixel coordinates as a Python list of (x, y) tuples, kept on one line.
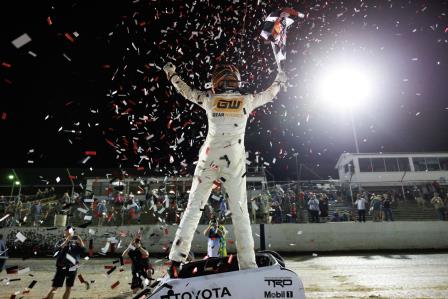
[(21, 40), (20, 237), (32, 284), (71, 259), (4, 217), (23, 270), (115, 284)]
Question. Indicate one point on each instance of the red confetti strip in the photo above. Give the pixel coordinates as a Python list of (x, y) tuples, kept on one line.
[(72, 177), (229, 260), (110, 142), (4, 115), (5, 64), (115, 285), (49, 22), (90, 153), (69, 37)]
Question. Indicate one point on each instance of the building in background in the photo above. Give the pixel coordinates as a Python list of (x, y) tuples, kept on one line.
[(380, 171)]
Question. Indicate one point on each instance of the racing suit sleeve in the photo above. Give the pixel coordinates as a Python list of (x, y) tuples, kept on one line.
[(269, 94), (196, 96)]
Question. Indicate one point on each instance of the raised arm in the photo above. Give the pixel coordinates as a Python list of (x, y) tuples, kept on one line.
[(269, 94), (196, 96)]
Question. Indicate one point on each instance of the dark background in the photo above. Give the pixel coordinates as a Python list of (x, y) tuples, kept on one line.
[(112, 97)]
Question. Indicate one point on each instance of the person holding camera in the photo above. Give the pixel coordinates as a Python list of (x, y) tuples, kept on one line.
[(141, 269), (68, 253), (216, 245)]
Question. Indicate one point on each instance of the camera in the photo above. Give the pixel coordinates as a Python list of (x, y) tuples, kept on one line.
[(75, 238)]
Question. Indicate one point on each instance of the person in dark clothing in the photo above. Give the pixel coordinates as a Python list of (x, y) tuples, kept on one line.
[(141, 270), (3, 253), (323, 207), (388, 209), (68, 253)]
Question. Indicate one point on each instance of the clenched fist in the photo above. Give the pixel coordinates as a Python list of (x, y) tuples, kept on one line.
[(169, 69)]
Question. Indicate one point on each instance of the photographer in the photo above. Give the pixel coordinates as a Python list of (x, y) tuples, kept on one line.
[(68, 253), (216, 245), (140, 264)]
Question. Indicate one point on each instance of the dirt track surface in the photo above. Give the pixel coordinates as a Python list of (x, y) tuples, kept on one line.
[(358, 276)]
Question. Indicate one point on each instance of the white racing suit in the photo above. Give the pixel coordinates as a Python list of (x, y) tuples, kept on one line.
[(221, 157)]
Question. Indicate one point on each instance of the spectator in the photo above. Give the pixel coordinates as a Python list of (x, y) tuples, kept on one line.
[(141, 270), (133, 208), (361, 206), (313, 207), (101, 211), (265, 208), (293, 212), (18, 210), (336, 217), (39, 194), (375, 207), (171, 215), (387, 208), (277, 212), (3, 253), (214, 232), (439, 205), (323, 207), (253, 207), (68, 254), (3, 204), (418, 197), (37, 210)]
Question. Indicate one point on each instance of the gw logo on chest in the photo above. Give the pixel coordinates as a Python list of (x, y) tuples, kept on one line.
[(231, 105)]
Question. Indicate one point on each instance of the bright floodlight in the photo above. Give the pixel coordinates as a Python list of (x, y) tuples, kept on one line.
[(344, 85)]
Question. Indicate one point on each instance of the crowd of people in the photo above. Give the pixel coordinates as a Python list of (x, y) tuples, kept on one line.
[(271, 206)]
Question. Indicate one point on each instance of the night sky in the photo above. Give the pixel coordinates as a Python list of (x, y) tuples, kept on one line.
[(90, 80)]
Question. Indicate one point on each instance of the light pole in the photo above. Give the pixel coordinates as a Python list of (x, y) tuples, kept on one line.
[(11, 178), (355, 136), (17, 182)]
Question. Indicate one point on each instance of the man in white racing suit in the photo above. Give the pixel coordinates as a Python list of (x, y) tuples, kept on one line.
[(221, 157)]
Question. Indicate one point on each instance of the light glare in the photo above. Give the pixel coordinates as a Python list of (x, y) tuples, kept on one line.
[(346, 86)]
